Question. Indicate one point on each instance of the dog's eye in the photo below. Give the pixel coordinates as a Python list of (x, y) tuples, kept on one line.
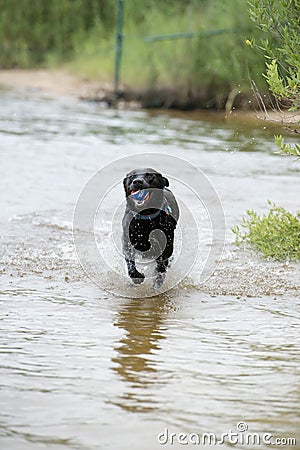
[(149, 176)]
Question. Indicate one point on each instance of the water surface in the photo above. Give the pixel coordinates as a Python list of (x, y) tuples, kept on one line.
[(84, 369)]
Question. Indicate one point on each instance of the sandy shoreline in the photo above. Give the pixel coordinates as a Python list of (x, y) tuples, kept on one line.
[(54, 83)]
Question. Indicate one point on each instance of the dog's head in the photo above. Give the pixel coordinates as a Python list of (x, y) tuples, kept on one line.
[(144, 188)]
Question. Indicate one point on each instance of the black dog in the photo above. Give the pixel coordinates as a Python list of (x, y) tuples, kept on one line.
[(149, 206)]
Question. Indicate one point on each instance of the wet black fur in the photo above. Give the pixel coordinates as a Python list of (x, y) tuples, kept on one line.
[(136, 230)]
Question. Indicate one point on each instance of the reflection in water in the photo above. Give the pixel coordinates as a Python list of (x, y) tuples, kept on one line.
[(143, 323)]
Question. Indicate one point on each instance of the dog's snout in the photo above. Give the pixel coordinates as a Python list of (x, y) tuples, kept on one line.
[(138, 182)]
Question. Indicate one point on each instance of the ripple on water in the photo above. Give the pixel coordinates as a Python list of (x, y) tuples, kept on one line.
[(51, 255)]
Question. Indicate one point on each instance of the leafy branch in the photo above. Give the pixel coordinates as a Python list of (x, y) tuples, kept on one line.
[(286, 149), (280, 19)]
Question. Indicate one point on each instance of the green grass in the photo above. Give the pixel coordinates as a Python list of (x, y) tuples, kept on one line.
[(274, 235)]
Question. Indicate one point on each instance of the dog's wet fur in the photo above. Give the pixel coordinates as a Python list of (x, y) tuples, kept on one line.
[(150, 206)]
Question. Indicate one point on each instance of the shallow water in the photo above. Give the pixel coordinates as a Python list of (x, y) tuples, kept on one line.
[(82, 368)]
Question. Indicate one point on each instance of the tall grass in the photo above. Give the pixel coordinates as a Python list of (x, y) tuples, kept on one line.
[(31, 30), (219, 63), (81, 33)]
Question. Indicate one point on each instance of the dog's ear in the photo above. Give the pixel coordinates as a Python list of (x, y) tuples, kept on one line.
[(165, 182), (125, 184)]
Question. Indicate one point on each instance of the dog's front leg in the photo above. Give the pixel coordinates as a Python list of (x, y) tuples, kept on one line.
[(162, 265), (162, 261), (161, 268), (134, 274)]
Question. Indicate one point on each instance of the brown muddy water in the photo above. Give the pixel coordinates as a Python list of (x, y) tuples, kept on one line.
[(85, 369)]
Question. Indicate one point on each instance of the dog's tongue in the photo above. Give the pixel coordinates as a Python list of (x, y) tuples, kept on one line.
[(139, 195)]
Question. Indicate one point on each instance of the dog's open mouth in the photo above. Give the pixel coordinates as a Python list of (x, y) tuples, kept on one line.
[(140, 197)]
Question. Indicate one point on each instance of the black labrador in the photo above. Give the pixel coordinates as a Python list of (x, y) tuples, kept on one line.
[(149, 221)]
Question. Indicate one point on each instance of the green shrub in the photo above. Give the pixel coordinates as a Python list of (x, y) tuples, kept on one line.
[(275, 235)]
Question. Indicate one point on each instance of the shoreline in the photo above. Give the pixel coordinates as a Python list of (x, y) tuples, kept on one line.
[(57, 83), (52, 82)]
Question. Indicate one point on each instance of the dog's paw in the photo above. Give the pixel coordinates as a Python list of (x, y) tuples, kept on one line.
[(159, 279), (137, 277), (138, 280)]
